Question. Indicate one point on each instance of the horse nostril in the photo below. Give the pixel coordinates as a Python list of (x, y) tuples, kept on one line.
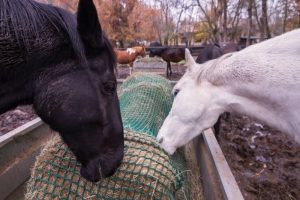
[(160, 140)]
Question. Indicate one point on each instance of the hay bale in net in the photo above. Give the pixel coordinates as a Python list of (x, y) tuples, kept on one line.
[(146, 172), (145, 101)]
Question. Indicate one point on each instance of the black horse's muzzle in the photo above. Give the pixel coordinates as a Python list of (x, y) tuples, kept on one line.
[(91, 171), (101, 168)]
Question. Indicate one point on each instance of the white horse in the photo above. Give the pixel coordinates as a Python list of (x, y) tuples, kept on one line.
[(262, 81)]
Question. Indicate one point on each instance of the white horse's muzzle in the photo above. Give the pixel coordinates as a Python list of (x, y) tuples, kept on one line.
[(169, 149)]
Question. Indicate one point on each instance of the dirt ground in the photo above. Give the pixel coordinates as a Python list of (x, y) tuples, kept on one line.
[(15, 118), (265, 162)]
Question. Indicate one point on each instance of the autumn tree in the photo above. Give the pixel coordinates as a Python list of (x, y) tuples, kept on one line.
[(211, 14), (290, 12), (217, 16), (114, 16), (127, 20), (140, 22), (163, 22), (234, 17)]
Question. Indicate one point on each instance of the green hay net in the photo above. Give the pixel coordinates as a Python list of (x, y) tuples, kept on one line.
[(147, 172), (145, 101)]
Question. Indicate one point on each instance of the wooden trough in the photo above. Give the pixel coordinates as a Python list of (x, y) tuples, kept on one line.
[(19, 148)]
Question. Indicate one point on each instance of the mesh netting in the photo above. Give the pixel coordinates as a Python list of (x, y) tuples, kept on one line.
[(146, 171), (145, 101)]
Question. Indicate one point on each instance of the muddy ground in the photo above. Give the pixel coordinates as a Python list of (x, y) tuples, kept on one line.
[(265, 162), (15, 118)]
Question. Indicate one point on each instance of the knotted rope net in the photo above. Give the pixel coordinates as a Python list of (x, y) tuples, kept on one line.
[(146, 172)]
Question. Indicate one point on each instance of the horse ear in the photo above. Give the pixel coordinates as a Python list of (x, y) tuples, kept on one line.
[(190, 62), (88, 24)]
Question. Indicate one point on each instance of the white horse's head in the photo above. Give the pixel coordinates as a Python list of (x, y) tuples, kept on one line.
[(194, 109), (261, 81)]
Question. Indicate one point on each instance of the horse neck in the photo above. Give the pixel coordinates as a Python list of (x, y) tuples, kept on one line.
[(140, 51), (270, 103), (261, 81), (250, 103), (244, 86)]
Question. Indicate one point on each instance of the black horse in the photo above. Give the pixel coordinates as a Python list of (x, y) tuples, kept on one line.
[(66, 69), (229, 47), (209, 52), (168, 54)]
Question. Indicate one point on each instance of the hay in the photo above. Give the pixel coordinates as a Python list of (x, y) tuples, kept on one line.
[(146, 172)]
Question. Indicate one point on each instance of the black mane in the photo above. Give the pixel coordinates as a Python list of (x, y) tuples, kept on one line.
[(26, 18)]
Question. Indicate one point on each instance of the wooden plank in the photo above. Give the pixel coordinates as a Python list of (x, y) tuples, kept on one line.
[(18, 194), (20, 131), (18, 150), (16, 175), (229, 185), (210, 183)]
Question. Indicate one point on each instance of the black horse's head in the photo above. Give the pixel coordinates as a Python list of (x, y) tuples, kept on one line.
[(82, 104), (70, 79)]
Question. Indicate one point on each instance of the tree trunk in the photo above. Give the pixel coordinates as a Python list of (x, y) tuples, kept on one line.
[(211, 21), (224, 20), (285, 16), (298, 9), (259, 21), (235, 21), (299, 20), (249, 22), (121, 43), (219, 17), (265, 24), (166, 42)]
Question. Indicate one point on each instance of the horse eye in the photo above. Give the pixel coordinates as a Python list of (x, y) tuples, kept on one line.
[(176, 91), (110, 87)]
